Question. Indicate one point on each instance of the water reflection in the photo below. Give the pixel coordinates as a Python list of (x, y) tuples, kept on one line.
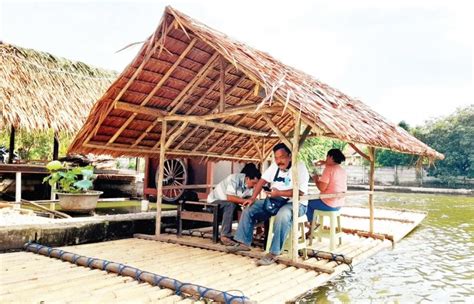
[(433, 264)]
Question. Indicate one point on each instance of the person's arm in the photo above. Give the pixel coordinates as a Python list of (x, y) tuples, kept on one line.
[(287, 193), (256, 191), (322, 186), (235, 199)]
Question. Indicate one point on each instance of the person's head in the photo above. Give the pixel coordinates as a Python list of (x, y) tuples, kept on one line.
[(335, 156), (252, 175), (282, 156)]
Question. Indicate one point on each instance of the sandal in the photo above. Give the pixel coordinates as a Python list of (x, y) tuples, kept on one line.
[(226, 241)]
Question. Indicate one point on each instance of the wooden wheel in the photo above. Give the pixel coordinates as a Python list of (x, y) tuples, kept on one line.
[(174, 174)]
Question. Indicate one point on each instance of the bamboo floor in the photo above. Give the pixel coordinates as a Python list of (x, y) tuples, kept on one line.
[(29, 277)]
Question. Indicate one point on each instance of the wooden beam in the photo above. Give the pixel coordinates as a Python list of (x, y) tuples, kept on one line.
[(246, 109), (154, 90), (305, 134), (120, 130), (210, 89), (223, 126), (231, 146), (144, 134), (222, 86), (277, 131), (371, 187), (256, 145), (173, 136), (193, 131), (138, 109), (130, 81), (126, 149), (367, 157), (296, 190), (202, 74), (170, 70), (159, 186), (249, 93)]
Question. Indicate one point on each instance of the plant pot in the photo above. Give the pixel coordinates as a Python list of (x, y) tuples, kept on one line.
[(79, 202)]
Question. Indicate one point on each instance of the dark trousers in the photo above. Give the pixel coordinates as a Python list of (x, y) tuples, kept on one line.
[(227, 210)]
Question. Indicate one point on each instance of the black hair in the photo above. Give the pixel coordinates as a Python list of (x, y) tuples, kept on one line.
[(281, 146), (251, 171), (336, 155)]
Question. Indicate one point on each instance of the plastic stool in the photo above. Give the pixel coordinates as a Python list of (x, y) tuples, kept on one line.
[(319, 231), (287, 246)]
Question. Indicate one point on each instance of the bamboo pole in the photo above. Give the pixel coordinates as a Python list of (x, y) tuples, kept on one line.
[(159, 194), (296, 190), (371, 187)]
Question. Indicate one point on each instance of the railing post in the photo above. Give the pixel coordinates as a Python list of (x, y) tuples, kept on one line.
[(371, 188)]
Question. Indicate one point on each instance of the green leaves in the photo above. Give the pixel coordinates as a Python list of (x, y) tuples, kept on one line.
[(70, 180)]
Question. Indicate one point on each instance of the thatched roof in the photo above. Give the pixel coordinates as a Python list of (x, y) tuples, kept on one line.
[(39, 91), (176, 77)]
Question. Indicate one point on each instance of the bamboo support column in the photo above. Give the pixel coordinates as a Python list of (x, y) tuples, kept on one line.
[(159, 194), (371, 187), (296, 194)]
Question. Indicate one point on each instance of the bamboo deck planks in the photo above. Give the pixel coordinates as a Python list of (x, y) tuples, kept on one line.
[(28, 277)]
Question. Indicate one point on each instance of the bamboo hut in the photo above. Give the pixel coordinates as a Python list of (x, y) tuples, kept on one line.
[(193, 91)]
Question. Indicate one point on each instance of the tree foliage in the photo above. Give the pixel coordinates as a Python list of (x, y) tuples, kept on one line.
[(36, 145), (454, 137)]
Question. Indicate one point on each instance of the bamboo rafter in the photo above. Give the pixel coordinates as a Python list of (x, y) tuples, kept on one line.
[(130, 81)]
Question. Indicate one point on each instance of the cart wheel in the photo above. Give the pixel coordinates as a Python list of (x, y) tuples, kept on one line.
[(174, 174)]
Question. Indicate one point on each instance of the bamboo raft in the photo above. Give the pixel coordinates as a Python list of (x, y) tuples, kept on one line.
[(191, 261)]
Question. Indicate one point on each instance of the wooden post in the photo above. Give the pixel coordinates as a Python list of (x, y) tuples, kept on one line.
[(12, 145), (159, 194), (371, 187), (56, 146), (296, 194), (18, 187)]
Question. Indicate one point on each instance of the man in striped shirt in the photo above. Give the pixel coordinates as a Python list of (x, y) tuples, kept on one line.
[(232, 192)]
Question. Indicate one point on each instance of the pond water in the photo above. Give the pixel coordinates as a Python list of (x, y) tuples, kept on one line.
[(435, 263)]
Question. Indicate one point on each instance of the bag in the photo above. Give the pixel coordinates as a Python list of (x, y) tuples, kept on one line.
[(271, 205)]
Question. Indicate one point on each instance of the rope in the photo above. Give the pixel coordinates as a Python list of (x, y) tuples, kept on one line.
[(178, 285)]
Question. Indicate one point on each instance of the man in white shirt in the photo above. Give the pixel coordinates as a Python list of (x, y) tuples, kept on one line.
[(280, 177), (230, 193)]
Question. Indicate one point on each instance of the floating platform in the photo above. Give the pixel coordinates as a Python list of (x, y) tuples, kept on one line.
[(181, 264)]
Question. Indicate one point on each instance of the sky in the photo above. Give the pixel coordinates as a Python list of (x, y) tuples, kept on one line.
[(408, 60)]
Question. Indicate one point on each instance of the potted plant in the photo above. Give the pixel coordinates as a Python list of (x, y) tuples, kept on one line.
[(74, 186)]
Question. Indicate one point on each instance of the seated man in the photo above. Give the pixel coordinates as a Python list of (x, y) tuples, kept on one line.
[(230, 193), (280, 177)]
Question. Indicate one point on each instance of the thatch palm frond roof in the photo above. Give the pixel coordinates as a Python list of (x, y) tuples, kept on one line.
[(39, 91), (225, 100)]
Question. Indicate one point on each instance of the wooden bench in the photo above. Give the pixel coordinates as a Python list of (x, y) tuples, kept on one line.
[(209, 213)]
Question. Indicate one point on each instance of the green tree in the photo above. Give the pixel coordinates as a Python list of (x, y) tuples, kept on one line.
[(35, 145), (454, 137)]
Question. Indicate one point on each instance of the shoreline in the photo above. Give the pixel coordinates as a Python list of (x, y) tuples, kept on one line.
[(406, 189)]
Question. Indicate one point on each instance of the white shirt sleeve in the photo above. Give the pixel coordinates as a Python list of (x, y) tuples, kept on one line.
[(269, 174), (303, 177)]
